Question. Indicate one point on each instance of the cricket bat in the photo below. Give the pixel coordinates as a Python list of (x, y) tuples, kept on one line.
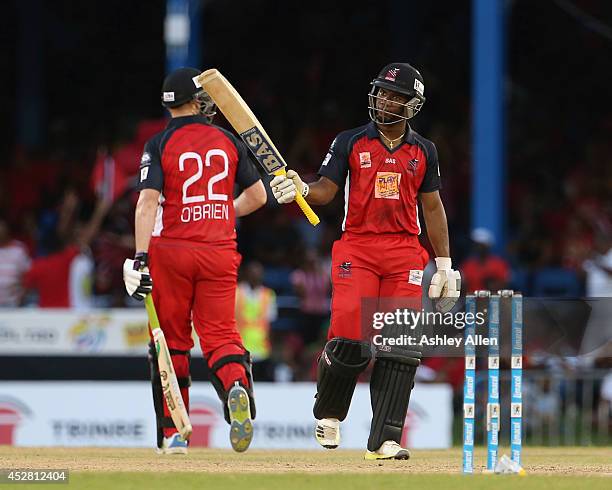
[(170, 386), (240, 116)]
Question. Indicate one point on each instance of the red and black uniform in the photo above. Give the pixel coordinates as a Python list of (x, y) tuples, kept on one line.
[(379, 254), (192, 255)]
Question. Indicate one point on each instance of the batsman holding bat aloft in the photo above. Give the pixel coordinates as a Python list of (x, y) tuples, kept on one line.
[(186, 251), (385, 167)]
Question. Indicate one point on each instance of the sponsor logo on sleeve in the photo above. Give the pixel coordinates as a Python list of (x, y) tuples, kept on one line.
[(327, 159), (146, 158)]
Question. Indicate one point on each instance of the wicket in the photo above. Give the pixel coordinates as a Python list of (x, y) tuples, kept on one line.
[(493, 358)]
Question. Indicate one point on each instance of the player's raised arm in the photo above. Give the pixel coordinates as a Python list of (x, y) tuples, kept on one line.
[(333, 173), (284, 189)]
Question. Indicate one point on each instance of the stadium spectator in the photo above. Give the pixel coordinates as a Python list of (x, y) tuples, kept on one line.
[(63, 279), (484, 270), (14, 262), (312, 284), (255, 310), (114, 242)]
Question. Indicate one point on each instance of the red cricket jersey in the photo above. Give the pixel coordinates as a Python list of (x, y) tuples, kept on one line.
[(194, 165), (381, 186)]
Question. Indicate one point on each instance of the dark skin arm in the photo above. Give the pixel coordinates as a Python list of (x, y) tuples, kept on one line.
[(435, 220), (322, 191)]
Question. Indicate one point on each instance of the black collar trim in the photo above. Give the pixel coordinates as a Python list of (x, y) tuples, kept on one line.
[(177, 122)]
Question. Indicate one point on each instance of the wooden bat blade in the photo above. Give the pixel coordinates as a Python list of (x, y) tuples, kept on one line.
[(242, 119), (170, 387)]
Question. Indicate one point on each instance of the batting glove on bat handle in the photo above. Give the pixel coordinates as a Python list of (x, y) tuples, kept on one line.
[(138, 282), (288, 187), (302, 191), (285, 186), (284, 189), (445, 285)]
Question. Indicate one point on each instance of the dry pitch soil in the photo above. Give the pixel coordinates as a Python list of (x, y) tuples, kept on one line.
[(578, 461)]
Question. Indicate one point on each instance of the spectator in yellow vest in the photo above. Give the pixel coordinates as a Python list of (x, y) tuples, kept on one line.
[(255, 310)]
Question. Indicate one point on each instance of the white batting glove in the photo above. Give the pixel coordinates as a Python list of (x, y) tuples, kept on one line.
[(445, 285), (138, 282), (285, 187)]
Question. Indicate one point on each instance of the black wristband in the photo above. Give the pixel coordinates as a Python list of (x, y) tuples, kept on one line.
[(141, 260)]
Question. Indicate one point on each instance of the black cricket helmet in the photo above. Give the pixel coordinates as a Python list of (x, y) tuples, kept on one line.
[(403, 79), (182, 86)]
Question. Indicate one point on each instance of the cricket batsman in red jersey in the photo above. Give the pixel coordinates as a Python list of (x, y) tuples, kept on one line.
[(385, 168), (186, 248)]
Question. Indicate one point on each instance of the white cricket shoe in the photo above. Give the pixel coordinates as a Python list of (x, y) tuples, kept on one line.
[(388, 450), (174, 444), (327, 433)]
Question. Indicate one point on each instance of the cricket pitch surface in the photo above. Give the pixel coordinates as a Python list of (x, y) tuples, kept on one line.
[(108, 468)]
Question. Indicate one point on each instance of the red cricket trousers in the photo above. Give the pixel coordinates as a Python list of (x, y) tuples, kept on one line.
[(372, 266), (197, 282)]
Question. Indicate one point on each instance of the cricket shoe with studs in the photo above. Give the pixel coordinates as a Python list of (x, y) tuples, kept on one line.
[(327, 433), (241, 424), (388, 450), (174, 444)]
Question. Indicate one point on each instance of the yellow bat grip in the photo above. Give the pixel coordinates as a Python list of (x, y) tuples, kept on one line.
[(153, 320), (304, 206), (307, 210)]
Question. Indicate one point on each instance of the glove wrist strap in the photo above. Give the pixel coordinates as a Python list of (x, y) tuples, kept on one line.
[(444, 263), (305, 190)]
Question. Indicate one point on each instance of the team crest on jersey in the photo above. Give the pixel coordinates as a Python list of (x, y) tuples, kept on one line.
[(365, 160), (387, 185), (412, 165), (345, 269)]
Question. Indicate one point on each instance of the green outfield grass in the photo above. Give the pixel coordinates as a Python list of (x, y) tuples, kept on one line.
[(303, 481), (90, 468)]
